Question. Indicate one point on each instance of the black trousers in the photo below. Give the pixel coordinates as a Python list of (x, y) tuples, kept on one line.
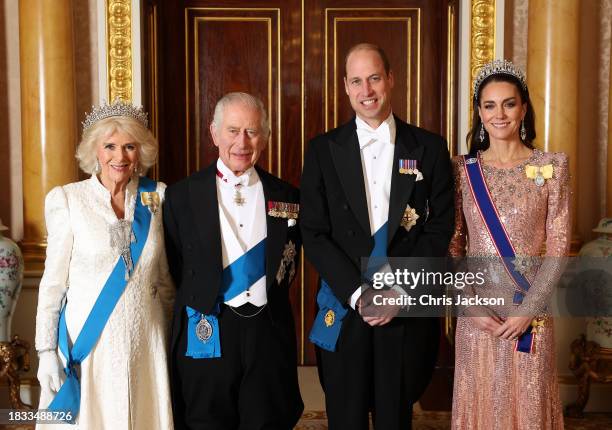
[(378, 370), (252, 386)]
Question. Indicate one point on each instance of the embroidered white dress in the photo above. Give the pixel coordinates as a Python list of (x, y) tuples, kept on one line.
[(124, 380)]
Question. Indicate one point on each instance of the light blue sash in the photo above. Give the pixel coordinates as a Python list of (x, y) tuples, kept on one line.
[(235, 279), (328, 322), (500, 238), (69, 396)]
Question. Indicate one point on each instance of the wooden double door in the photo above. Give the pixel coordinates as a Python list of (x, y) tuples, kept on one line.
[(289, 53)]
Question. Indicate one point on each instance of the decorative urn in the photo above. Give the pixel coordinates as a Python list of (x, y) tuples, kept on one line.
[(11, 276)]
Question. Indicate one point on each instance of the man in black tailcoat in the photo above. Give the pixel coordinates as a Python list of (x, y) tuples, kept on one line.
[(373, 181), (232, 241)]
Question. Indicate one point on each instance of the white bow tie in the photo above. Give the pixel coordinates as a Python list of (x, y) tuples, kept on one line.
[(366, 135)]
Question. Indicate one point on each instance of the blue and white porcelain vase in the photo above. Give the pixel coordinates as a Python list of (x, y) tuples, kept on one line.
[(11, 277)]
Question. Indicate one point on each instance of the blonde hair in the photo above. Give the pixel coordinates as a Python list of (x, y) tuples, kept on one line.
[(92, 136)]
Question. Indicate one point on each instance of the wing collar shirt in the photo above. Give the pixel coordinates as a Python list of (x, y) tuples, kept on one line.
[(242, 215), (376, 148)]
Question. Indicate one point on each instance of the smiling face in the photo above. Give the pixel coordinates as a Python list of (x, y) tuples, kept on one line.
[(239, 137), (118, 158), (368, 86), (501, 110)]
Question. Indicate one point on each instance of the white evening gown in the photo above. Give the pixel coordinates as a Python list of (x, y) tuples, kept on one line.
[(124, 380)]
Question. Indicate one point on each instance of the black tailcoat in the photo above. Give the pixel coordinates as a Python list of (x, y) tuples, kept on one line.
[(336, 234), (194, 250)]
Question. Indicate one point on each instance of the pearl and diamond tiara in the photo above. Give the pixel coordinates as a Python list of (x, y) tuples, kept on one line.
[(499, 67), (116, 108)]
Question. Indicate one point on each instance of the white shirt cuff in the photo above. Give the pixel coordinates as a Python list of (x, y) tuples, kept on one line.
[(355, 296)]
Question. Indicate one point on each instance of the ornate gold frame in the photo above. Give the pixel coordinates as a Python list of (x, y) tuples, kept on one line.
[(409, 23), (119, 48), (482, 40), (269, 21)]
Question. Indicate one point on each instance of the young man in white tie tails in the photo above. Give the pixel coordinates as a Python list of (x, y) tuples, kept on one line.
[(379, 187)]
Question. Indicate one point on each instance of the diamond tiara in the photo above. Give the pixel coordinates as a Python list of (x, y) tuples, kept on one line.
[(116, 108), (499, 67)]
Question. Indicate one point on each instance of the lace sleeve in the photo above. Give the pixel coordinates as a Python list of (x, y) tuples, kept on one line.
[(54, 282), (558, 235)]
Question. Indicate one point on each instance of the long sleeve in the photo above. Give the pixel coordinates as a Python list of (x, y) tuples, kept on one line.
[(172, 242), (458, 243), (332, 263), (54, 283), (164, 284), (558, 235)]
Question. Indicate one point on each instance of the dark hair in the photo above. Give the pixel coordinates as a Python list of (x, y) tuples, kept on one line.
[(369, 47), (473, 136)]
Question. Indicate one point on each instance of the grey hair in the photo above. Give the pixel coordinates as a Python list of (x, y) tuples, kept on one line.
[(244, 98), (94, 135)]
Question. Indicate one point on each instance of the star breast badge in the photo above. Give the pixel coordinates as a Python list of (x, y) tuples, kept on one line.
[(409, 219)]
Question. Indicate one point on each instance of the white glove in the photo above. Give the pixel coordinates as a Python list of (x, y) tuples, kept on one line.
[(50, 371)]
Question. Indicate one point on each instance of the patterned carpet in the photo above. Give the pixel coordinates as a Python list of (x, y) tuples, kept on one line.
[(316, 420)]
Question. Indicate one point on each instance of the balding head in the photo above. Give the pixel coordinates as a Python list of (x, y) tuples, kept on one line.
[(368, 47)]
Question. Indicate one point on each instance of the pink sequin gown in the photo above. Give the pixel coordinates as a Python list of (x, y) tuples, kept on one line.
[(496, 387)]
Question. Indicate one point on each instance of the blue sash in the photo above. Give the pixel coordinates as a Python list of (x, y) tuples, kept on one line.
[(328, 322), (500, 238), (235, 279), (68, 397)]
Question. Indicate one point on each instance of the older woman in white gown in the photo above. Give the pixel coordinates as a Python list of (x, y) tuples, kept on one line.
[(106, 247)]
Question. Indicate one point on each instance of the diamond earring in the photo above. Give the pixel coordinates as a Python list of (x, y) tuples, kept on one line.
[(481, 135), (523, 131), (97, 167)]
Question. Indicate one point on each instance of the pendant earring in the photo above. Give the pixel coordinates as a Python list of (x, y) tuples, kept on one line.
[(97, 167), (523, 131), (481, 135)]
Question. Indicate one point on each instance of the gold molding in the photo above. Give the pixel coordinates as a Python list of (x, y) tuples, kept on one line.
[(154, 85), (119, 49), (266, 19), (482, 40), (302, 137), (408, 21), (409, 71), (450, 79)]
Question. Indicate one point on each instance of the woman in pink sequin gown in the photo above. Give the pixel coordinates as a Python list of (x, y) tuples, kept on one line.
[(495, 386)]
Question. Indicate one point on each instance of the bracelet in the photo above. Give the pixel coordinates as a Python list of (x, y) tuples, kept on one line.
[(41, 351)]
